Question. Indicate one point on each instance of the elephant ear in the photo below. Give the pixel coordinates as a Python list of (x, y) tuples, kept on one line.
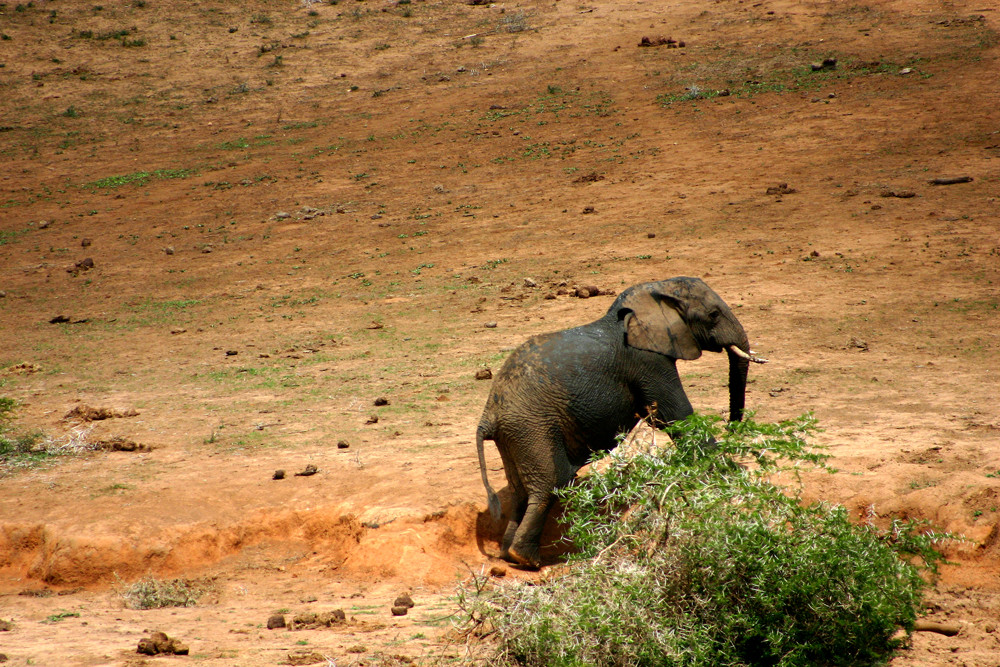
[(656, 325)]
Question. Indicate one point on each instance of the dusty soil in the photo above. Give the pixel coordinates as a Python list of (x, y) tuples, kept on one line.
[(227, 228)]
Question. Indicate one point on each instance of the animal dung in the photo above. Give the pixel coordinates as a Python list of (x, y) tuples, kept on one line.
[(278, 474), (381, 400), (668, 42), (158, 643), (484, 374), (309, 470)]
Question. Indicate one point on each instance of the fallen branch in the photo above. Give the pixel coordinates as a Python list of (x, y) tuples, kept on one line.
[(945, 629), (951, 180)]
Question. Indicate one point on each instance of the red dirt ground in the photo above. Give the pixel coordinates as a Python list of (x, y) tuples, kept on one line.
[(291, 209)]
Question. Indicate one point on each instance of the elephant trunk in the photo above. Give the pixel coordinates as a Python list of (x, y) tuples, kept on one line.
[(738, 367)]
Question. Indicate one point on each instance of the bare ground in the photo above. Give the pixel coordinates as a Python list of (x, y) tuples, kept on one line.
[(293, 209)]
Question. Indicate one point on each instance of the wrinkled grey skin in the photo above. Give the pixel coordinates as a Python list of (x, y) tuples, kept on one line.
[(561, 396)]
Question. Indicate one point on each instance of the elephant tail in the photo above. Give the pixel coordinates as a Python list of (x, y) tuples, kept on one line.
[(491, 496)]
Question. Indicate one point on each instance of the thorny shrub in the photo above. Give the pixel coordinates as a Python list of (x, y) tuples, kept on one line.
[(692, 554)]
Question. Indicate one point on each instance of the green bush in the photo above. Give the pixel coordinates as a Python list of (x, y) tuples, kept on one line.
[(690, 555)]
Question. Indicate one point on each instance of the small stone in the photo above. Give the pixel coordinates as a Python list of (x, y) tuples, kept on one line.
[(400, 610), (43, 224), (232, 353), (528, 282), (381, 400), (373, 419), (490, 325), (343, 444), (3, 294), (5, 626), (587, 210), (282, 215), (86, 243), (169, 250), (906, 70), (484, 374), (275, 621), (278, 474)]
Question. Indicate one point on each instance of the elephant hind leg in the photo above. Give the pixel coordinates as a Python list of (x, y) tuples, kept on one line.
[(526, 544), (526, 547), (520, 504)]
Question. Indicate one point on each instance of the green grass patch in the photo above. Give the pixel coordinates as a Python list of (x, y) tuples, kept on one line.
[(59, 616), (137, 178), (11, 235), (688, 554), (16, 448)]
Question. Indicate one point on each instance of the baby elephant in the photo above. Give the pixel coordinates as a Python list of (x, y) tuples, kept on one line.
[(562, 396)]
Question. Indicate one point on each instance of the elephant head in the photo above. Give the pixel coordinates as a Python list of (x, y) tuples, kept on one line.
[(680, 318)]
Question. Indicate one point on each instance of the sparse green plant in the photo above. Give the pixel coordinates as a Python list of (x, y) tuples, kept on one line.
[(17, 447), (689, 554), (494, 263), (152, 593), (59, 616)]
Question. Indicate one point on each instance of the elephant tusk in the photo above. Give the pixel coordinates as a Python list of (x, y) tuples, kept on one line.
[(750, 357)]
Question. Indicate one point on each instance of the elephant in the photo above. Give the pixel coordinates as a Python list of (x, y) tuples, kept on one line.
[(562, 396)]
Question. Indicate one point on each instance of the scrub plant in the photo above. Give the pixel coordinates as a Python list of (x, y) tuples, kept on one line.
[(692, 554), (16, 447), (153, 593)]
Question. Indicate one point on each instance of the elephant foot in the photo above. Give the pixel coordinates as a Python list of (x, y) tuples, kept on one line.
[(528, 558)]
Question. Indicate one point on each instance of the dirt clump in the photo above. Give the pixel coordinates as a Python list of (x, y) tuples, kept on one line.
[(86, 413)]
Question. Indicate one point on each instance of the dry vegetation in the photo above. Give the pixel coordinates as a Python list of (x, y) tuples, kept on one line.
[(231, 226)]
